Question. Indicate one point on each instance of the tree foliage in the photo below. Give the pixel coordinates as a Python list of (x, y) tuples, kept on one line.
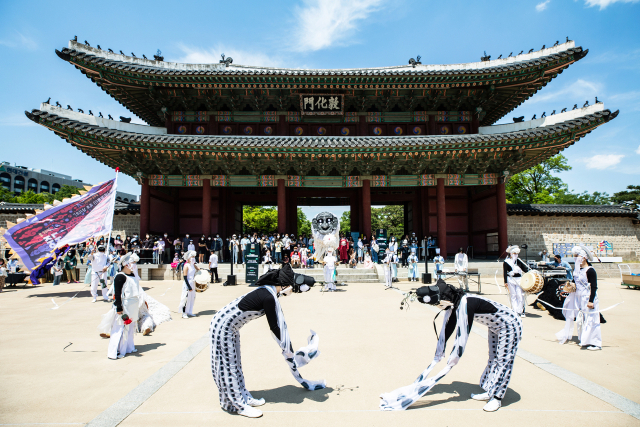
[(262, 219), (6, 196), (345, 222), (66, 191), (30, 197), (538, 185), (304, 224), (389, 217), (630, 196)]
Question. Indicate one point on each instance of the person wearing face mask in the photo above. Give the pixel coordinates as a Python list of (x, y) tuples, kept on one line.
[(217, 247), (513, 268), (202, 249), (583, 303), (168, 249), (147, 249), (226, 364), (188, 296), (98, 277), (185, 243), (128, 299), (329, 263), (460, 311)]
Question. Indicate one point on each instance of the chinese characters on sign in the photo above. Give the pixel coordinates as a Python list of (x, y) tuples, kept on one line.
[(321, 104)]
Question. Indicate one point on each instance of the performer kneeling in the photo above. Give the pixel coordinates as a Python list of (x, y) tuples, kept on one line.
[(226, 364), (188, 296), (123, 316), (512, 270), (505, 332)]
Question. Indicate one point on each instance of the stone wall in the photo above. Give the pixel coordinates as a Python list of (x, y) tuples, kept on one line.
[(541, 232)]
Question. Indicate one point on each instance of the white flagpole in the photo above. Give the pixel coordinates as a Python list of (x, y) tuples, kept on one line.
[(115, 187)]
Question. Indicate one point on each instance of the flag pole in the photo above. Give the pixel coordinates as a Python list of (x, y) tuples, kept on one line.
[(115, 187)]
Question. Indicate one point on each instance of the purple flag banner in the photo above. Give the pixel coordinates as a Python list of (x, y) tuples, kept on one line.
[(69, 223)]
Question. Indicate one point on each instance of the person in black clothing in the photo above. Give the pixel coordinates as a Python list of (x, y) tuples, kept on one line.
[(226, 364), (461, 310)]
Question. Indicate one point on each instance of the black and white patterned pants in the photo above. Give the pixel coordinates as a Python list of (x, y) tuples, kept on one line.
[(226, 363), (505, 332)]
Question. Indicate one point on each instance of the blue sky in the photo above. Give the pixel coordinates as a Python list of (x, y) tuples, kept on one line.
[(324, 34)]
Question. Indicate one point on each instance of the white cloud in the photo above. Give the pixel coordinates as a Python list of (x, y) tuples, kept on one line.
[(542, 6), (19, 40), (602, 161), (577, 92), (325, 23), (193, 55), (638, 150), (604, 3)]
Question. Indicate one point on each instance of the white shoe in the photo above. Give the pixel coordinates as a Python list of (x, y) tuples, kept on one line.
[(492, 406), (594, 348), (252, 401), (484, 396), (250, 412), (191, 315), (523, 315), (94, 300), (184, 316)]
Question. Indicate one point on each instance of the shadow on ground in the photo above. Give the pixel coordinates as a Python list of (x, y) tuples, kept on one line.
[(461, 392), (292, 394)]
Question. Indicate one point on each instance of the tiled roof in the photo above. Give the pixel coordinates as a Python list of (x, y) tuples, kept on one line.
[(140, 65), (574, 210), (313, 141)]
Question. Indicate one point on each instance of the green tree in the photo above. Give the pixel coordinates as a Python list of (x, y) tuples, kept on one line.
[(345, 222), (564, 197), (67, 191), (304, 225), (537, 184), (34, 198), (389, 217), (261, 219), (6, 196), (629, 196)]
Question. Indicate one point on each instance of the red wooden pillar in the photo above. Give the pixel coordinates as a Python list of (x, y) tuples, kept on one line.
[(282, 207), (442, 218), (145, 208), (366, 208), (501, 200), (206, 207)]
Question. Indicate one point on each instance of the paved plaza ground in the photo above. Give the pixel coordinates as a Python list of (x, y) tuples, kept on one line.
[(55, 368)]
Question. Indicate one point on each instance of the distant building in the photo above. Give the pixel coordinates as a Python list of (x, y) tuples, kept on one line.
[(18, 179)]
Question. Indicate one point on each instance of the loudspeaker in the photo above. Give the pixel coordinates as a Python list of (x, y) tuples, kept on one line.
[(426, 278), (231, 280)]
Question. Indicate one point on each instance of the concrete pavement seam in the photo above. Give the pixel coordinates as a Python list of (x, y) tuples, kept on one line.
[(120, 410)]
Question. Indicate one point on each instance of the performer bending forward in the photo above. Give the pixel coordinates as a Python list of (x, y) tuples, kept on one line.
[(226, 364), (505, 332), (513, 269)]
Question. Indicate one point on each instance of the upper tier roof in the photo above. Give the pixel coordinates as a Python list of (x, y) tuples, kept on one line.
[(495, 87)]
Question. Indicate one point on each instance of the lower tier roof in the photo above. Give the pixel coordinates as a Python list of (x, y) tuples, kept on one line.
[(134, 149)]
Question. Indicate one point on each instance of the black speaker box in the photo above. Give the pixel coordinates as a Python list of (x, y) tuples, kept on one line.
[(426, 278)]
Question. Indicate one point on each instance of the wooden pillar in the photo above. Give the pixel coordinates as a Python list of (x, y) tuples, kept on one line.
[(145, 208), (283, 125), (206, 207), (362, 126), (366, 208), (501, 200), (282, 207), (442, 218)]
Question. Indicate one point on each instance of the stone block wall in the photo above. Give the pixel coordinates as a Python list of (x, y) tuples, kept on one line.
[(10, 217), (126, 225), (541, 232)]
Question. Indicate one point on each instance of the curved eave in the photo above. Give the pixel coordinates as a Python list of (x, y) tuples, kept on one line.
[(132, 152), (508, 82)]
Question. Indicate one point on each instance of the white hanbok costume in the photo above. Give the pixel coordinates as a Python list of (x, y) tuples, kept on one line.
[(513, 269), (329, 270), (412, 271), (98, 262), (461, 264), (188, 297), (388, 276), (152, 314), (121, 335), (575, 306)]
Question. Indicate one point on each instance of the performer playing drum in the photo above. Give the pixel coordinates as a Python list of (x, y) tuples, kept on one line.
[(513, 268)]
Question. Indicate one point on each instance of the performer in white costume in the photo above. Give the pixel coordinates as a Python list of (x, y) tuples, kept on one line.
[(329, 262), (461, 310), (386, 265), (412, 271), (226, 362), (513, 268), (188, 295), (98, 273), (583, 304), (461, 264), (128, 299), (152, 313)]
